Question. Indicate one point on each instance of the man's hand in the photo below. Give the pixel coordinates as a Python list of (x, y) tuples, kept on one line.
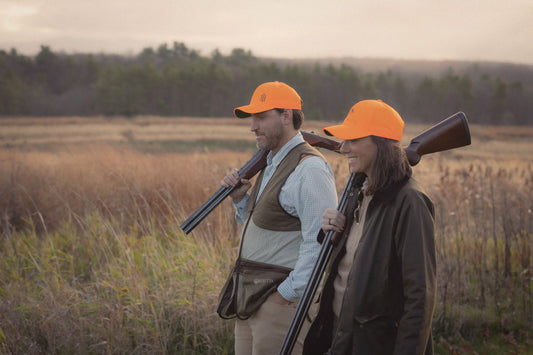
[(232, 179)]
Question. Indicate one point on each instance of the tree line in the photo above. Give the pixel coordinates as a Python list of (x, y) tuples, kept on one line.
[(174, 80)]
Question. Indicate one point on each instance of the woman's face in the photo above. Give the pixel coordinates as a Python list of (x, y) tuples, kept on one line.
[(361, 153)]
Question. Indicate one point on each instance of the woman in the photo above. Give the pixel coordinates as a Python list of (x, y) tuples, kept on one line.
[(380, 288)]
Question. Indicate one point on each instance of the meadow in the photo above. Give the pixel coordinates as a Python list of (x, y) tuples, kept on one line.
[(92, 259)]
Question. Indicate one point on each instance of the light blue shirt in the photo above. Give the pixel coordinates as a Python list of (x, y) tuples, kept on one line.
[(307, 193)]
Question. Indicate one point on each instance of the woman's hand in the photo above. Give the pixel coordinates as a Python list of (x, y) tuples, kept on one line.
[(333, 220)]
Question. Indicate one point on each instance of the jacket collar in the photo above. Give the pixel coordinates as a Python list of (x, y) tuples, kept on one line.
[(387, 194)]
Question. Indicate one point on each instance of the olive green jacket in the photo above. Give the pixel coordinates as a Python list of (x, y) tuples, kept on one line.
[(390, 297)]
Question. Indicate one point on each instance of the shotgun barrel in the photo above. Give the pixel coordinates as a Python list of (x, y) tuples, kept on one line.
[(316, 274), (252, 167)]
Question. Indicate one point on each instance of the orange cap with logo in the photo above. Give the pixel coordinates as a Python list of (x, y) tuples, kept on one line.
[(369, 118), (269, 96)]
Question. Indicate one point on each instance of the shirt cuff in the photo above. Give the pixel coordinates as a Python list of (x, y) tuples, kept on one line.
[(287, 292)]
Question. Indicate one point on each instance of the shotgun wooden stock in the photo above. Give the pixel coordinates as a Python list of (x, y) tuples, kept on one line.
[(450, 133), (321, 142)]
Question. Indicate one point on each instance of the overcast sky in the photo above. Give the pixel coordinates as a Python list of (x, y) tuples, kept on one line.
[(487, 30)]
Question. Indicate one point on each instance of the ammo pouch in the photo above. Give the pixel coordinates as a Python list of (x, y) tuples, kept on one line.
[(248, 286)]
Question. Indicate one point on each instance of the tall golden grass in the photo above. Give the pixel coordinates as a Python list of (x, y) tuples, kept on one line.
[(92, 259)]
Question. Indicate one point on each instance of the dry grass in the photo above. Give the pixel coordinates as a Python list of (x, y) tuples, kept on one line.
[(93, 261)]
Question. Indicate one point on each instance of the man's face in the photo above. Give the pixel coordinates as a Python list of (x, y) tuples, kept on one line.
[(268, 129)]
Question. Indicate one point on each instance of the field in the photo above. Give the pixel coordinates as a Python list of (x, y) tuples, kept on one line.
[(92, 259)]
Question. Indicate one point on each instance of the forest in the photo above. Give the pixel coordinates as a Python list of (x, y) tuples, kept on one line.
[(174, 80)]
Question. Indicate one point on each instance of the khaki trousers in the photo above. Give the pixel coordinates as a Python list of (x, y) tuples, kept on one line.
[(263, 333)]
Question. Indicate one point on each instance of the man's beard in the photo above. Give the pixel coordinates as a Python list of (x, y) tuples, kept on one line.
[(270, 141)]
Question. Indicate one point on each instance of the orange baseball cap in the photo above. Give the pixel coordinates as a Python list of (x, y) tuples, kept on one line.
[(369, 118), (269, 96)]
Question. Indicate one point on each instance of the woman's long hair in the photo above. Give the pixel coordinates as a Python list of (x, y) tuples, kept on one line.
[(390, 165)]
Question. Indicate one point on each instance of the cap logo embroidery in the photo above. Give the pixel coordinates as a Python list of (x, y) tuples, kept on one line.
[(263, 98)]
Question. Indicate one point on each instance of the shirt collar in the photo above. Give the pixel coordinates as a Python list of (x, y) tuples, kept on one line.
[(275, 159)]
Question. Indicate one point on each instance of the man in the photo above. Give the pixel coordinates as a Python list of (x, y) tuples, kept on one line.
[(380, 288), (281, 218)]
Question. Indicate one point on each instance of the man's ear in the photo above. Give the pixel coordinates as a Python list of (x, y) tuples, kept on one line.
[(286, 116)]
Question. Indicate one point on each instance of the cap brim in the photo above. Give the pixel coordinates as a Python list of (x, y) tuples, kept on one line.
[(240, 113), (248, 110), (342, 132)]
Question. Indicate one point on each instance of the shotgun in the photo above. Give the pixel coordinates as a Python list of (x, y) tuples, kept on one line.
[(452, 132), (249, 170)]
